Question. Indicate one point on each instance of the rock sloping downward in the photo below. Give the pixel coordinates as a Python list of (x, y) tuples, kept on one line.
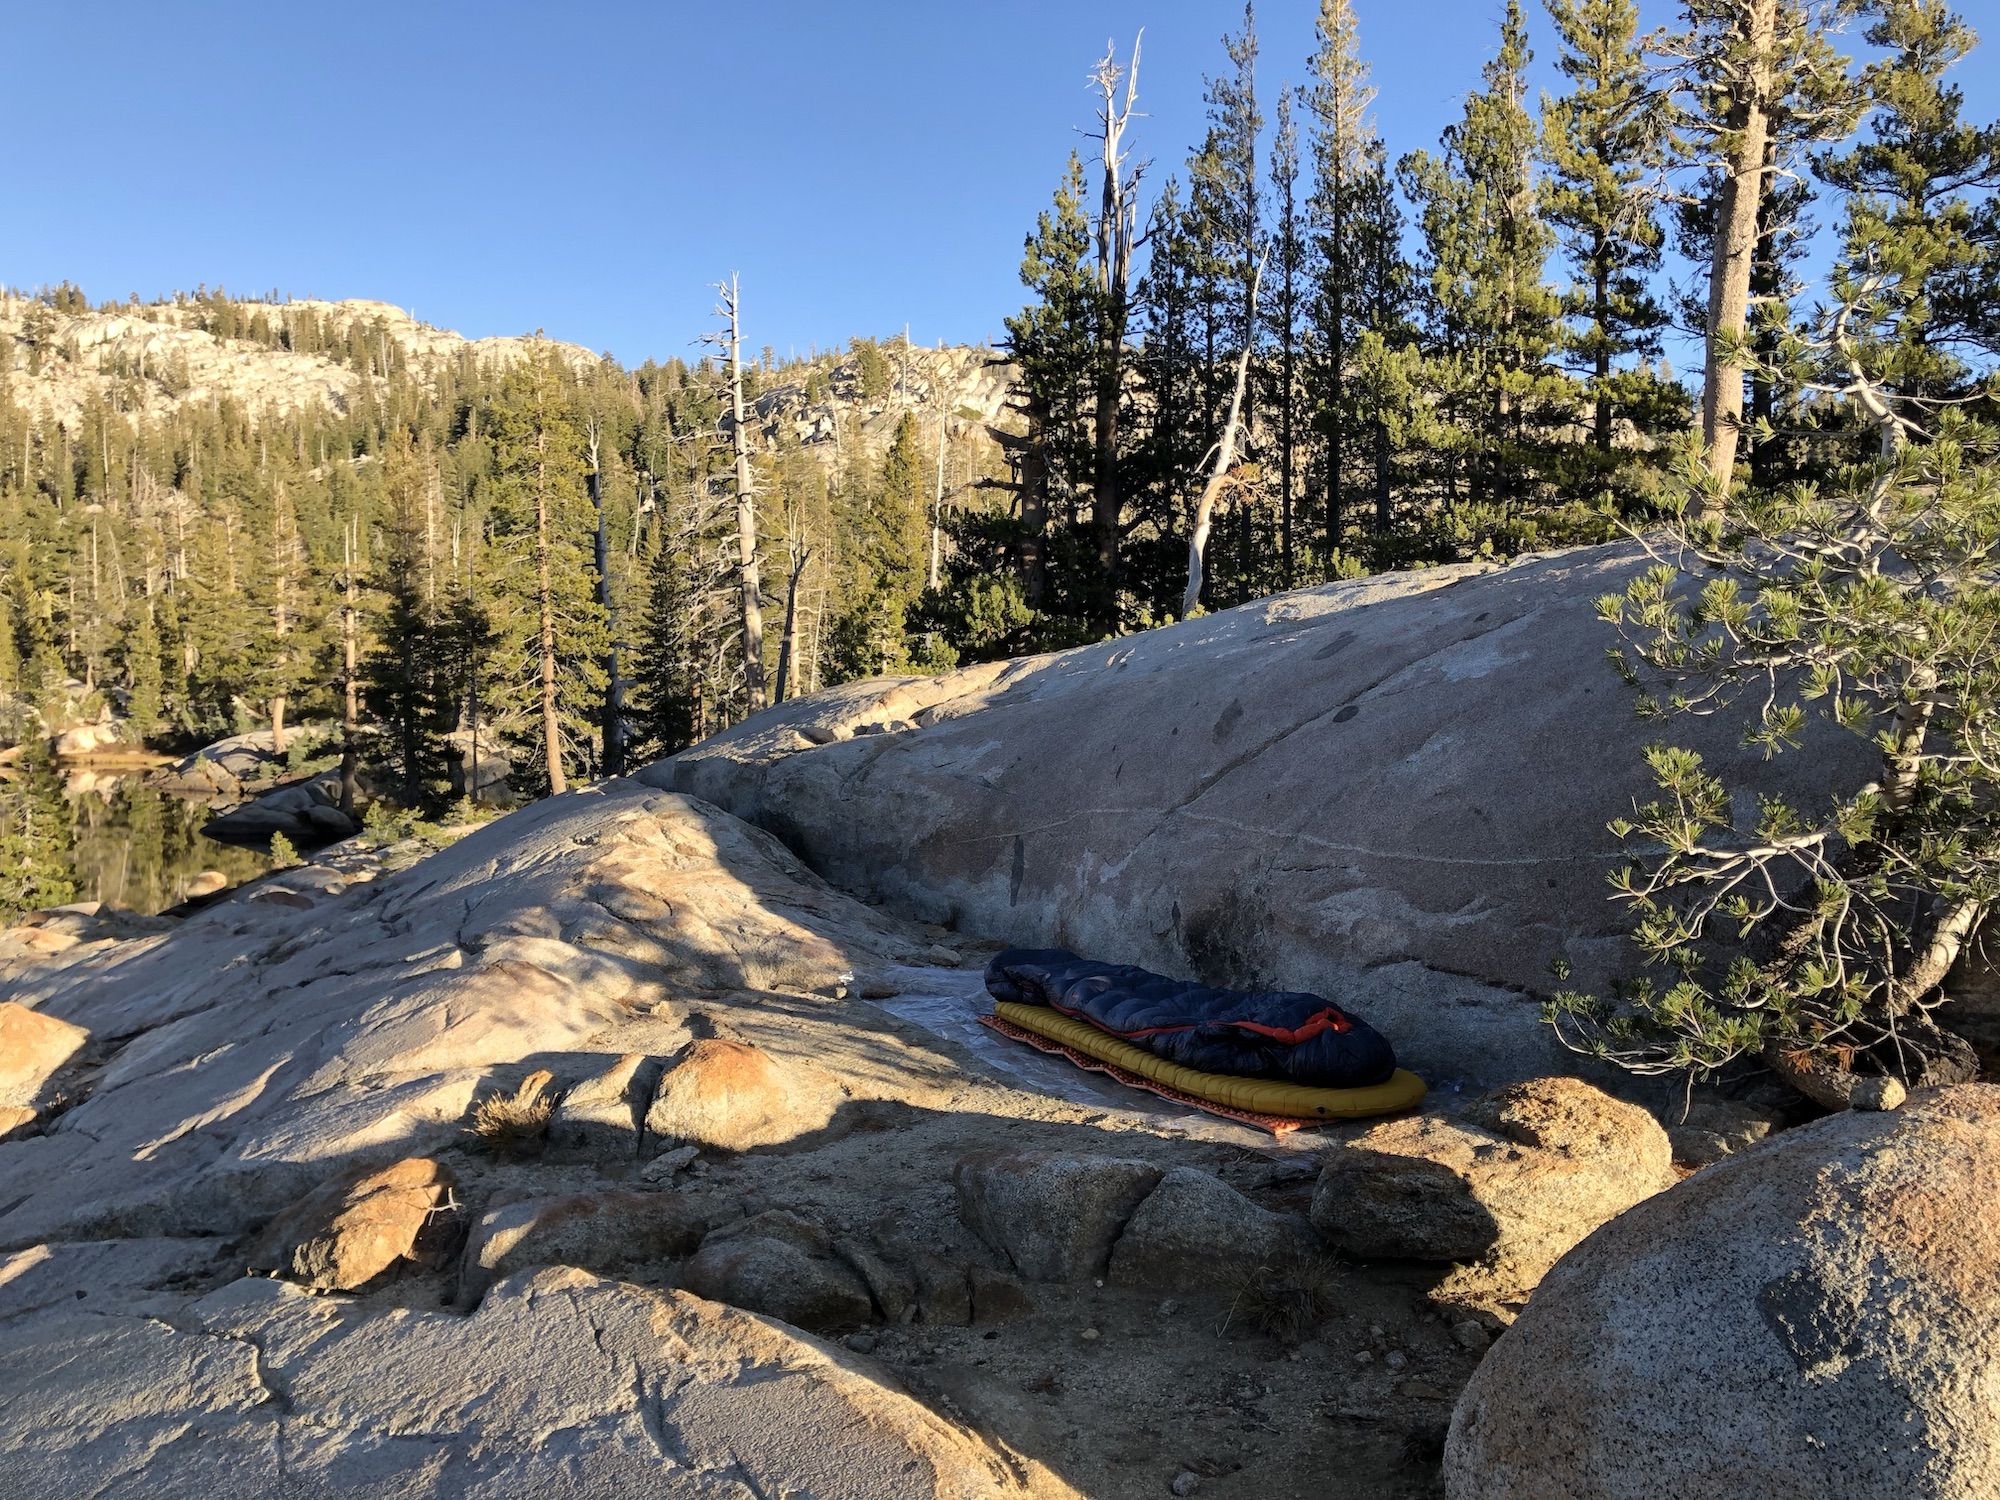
[(1392, 791)]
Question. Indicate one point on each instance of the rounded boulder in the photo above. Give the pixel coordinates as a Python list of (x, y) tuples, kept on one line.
[(1818, 1316)]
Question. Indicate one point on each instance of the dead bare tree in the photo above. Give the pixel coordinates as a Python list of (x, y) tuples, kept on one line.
[(937, 498), (612, 727), (350, 669), (749, 582), (1117, 234), (788, 643), (1220, 478)]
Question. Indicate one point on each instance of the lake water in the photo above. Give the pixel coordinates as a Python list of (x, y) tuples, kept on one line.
[(135, 847)]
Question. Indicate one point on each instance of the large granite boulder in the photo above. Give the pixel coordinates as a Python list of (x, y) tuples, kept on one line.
[(262, 1049), (1053, 1215), (593, 1231), (32, 1048), (783, 1264), (1507, 1186), (737, 1097), (1819, 1316), (1392, 791), (1193, 1227)]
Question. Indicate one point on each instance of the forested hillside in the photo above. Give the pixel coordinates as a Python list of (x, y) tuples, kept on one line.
[(1303, 353), (206, 504)]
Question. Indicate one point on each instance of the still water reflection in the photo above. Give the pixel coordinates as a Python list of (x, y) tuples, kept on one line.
[(136, 847)]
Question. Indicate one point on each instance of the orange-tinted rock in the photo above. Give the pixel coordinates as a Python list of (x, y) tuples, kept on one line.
[(32, 1047), (346, 1233), (735, 1096)]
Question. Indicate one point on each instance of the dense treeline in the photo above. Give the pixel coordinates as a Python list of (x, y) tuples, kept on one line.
[(535, 550), (1329, 358), (1458, 351)]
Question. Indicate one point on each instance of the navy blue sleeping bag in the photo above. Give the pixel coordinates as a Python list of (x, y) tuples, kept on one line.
[(1282, 1034)]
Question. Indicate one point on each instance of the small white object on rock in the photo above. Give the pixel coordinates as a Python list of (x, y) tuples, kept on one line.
[(1091, 1333), (1185, 1483)]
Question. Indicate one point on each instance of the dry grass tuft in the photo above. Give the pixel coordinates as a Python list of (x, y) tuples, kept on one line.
[(1289, 1298), (514, 1126)]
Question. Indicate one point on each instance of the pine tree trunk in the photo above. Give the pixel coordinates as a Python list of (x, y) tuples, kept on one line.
[(1735, 243), (546, 605), (1034, 512), (350, 673), (1379, 433), (613, 727), (936, 548), (1600, 426)]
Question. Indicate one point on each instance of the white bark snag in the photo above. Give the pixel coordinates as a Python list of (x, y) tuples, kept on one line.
[(788, 656), (1117, 233), (350, 673), (1225, 460), (1735, 243), (937, 509), (613, 717), (282, 546), (746, 510)]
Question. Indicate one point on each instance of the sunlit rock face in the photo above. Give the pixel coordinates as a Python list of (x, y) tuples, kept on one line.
[(1392, 791)]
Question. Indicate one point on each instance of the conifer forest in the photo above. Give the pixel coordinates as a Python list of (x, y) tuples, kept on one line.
[(1302, 353)]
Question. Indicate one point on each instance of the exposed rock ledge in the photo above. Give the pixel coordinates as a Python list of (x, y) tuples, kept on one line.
[(1392, 791)]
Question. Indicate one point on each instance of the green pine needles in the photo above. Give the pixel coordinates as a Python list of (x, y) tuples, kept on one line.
[(1816, 937)]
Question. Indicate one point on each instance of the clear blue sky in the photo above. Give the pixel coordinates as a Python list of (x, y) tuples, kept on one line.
[(590, 168)]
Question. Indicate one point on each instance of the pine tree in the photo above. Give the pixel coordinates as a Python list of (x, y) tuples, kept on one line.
[(1287, 286), (1606, 143), (1496, 322), (543, 519), (140, 651), (1117, 226), (1915, 190), (1053, 342), (1359, 304), (1225, 211), (1756, 78), (883, 533), (407, 676), (1168, 451), (1225, 220)]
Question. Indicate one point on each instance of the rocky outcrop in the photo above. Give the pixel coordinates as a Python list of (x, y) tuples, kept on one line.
[(305, 811), (1820, 1316), (270, 1047), (594, 1231), (560, 1384), (1392, 791), (783, 1264), (599, 1119), (224, 769), (1525, 1174), (33, 1047), (1054, 1217), (362, 1224), (737, 1097), (89, 741), (1193, 1224)]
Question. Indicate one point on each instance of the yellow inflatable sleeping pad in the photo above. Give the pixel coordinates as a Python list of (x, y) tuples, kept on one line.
[(1264, 1096)]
